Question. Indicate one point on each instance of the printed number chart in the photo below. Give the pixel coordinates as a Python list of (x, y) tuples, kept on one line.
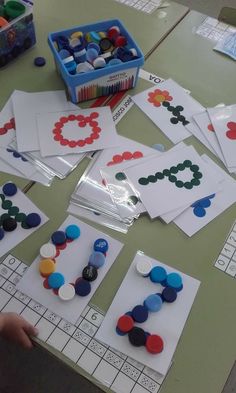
[(226, 260), (112, 368), (214, 30), (147, 6)]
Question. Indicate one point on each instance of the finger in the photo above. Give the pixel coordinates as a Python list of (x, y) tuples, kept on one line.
[(24, 340), (30, 330)]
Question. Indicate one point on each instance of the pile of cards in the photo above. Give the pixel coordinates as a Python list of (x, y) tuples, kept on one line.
[(178, 185), (50, 135), (115, 206)]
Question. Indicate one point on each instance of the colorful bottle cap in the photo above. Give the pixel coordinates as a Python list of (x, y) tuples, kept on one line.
[(153, 303), (33, 220), (95, 37), (100, 245), (56, 280), (82, 287), (99, 62), (113, 62), (9, 189), (9, 224), (68, 60), (137, 337), (76, 34), (72, 232), (48, 250), (125, 323), (113, 32), (46, 267), (140, 313), (91, 55), (174, 280), (58, 237), (97, 259), (3, 22), (124, 54), (84, 67), (154, 344), (66, 292), (64, 54), (169, 295), (80, 55), (105, 45), (144, 267), (75, 42), (158, 274), (120, 41), (71, 68), (1, 233), (39, 61), (93, 45), (90, 273), (13, 9)]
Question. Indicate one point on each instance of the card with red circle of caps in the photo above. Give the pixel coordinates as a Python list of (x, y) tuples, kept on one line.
[(7, 123), (79, 131)]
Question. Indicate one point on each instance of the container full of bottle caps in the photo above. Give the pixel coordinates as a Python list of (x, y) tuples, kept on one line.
[(96, 60)]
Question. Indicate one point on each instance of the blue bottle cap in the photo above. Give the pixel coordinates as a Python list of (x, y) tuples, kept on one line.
[(93, 45), (169, 295), (100, 245), (56, 280), (33, 220), (9, 189), (174, 280), (158, 274), (82, 287), (140, 313), (153, 303), (119, 332), (97, 259), (64, 53), (72, 232), (58, 237), (1, 233), (114, 62), (39, 61), (91, 55)]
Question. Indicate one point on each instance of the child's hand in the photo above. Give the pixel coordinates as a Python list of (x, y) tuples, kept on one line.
[(15, 328)]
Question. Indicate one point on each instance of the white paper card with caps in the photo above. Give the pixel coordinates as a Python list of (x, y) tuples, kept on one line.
[(25, 107), (70, 263), (203, 211), (15, 207), (169, 107), (7, 123), (224, 123), (78, 131), (168, 323), (171, 181)]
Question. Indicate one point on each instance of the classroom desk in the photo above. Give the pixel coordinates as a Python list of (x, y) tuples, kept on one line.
[(206, 350), (147, 30)]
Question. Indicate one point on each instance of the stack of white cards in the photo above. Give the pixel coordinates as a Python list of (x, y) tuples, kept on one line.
[(178, 185), (217, 131), (113, 205)]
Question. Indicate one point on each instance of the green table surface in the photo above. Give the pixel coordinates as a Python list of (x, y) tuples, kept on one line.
[(206, 350)]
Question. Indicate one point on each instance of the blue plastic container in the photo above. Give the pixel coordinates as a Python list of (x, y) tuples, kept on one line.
[(103, 81)]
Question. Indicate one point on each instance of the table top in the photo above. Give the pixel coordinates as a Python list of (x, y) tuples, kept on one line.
[(205, 353)]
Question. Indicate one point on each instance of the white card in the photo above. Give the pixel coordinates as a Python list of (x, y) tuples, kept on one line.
[(224, 123), (15, 159), (7, 124), (168, 322), (168, 190), (26, 105), (26, 206), (78, 131), (200, 214), (70, 263), (156, 103), (128, 152)]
